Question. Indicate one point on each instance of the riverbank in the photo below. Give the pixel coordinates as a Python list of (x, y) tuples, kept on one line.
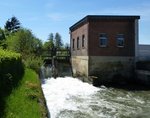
[(26, 100)]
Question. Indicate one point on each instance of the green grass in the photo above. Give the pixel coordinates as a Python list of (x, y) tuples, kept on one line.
[(26, 100)]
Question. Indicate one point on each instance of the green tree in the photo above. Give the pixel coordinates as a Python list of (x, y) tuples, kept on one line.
[(24, 42), (67, 46), (51, 37), (46, 46), (51, 40), (2, 35), (2, 39), (12, 25), (50, 43), (37, 46), (58, 41)]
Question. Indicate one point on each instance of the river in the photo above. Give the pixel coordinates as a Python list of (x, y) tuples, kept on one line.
[(69, 97)]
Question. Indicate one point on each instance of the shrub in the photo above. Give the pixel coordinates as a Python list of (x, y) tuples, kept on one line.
[(10, 67), (34, 63), (11, 71)]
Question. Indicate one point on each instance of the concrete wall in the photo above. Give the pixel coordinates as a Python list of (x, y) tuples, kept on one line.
[(107, 67), (143, 76), (80, 65), (144, 53)]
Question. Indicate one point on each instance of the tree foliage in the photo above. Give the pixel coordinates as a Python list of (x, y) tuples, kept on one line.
[(2, 35), (51, 40), (58, 41), (2, 39), (24, 42), (21, 40), (51, 37), (12, 25), (49, 44)]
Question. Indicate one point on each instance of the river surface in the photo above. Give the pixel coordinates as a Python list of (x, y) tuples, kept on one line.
[(69, 97)]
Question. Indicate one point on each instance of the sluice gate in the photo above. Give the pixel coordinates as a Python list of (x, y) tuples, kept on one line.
[(56, 63)]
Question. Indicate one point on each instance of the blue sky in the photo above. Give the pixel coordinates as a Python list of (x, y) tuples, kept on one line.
[(46, 16)]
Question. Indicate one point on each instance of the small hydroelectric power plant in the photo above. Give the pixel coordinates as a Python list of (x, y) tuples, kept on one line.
[(68, 97)]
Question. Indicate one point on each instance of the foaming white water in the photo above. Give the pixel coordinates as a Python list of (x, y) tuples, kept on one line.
[(71, 98), (62, 93)]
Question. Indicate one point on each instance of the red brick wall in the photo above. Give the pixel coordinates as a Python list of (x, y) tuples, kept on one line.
[(112, 28), (81, 51)]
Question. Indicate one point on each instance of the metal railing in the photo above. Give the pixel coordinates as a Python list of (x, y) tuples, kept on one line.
[(56, 53)]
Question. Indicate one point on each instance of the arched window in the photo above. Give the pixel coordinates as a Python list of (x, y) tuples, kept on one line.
[(78, 45), (73, 44), (83, 40)]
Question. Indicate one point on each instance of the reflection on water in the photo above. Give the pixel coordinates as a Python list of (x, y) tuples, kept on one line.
[(68, 97)]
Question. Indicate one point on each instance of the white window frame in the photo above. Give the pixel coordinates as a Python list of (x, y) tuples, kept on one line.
[(120, 38), (104, 38)]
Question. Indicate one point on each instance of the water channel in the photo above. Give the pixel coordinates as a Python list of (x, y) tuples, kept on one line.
[(68, 97)]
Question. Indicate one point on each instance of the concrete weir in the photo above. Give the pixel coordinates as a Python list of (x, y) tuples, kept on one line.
[(143, 76), (101, 69), (55, 69)]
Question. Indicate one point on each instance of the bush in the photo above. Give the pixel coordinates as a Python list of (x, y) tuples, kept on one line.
[(11, 71), (34, 63), (10, 67)]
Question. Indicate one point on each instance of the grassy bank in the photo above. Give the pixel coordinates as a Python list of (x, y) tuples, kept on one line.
[(26, 101)]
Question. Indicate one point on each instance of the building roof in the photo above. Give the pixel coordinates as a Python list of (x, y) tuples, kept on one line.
[(102, 17)]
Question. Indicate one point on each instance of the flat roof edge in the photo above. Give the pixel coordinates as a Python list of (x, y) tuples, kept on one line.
[(86, 18)]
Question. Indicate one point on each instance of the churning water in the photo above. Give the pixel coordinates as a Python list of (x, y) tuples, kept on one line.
[(71, 98)]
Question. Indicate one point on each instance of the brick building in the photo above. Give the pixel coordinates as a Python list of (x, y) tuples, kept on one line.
[(104, 46)]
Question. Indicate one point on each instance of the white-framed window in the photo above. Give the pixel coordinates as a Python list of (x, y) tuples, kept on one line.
[(120, 40), (103, 39), (83, 41), (78, 43)]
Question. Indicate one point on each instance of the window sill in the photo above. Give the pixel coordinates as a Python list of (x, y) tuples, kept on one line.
[(120, 46), (103, 46)]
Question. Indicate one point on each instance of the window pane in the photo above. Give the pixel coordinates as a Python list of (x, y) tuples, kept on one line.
[(73, 44), (120, 40), (83, 38), (78, 43), (103, 39)]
